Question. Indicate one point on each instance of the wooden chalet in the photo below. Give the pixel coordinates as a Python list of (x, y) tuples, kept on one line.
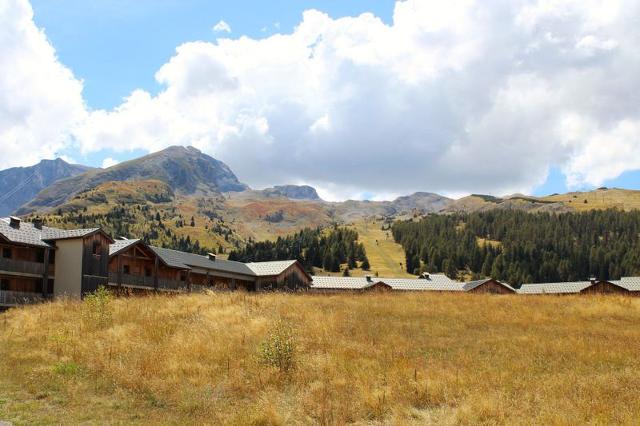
[(38, 262), (488, 285), (135, 265), (280, 275)]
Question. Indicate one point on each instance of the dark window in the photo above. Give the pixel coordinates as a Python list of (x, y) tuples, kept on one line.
[(97, 248), (50, 287), (6, 253), (40, 256), (126, 269), (4, 284), (147, 272)]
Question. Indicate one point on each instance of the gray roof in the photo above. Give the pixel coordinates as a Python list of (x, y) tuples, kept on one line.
[(629, 283), (554, 288), (120, 245), (265, 269), (341, 283), (28, 234), (52, 234), (435, 282), (183, 260), (477, 283)]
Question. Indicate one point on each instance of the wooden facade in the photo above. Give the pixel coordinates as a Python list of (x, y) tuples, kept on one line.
[(138, 267), (492, 286), (291, 279), (95, 261), (25, 270), (604, 287), (379, 287)]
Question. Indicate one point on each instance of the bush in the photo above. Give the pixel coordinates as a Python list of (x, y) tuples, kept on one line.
[(97, 311), (278, 350)]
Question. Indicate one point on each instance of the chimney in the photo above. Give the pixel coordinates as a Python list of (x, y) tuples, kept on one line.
[(368, 277), (425, 275), (37, 223), (14, 222), (212, 256), (593, 280)]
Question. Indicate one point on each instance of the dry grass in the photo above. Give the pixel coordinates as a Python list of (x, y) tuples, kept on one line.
[(384, 358), (623, 199), (385, 255)]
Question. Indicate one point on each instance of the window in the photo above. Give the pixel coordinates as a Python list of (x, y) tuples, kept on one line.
[(4, 284), (147, 272), (97, 248), (40, 256), (6, 253), (126, 269)]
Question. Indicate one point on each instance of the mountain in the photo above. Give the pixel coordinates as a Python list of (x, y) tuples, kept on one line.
[(19, 185), (293, 192), (185, 170)]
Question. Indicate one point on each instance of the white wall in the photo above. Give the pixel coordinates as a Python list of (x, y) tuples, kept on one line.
[(68, 279)]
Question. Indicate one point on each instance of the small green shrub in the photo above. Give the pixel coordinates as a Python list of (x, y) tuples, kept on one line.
[(278, 350), (68, 368), (97, 310)]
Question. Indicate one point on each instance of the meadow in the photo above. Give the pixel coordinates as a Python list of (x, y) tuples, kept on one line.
[(238, 358)]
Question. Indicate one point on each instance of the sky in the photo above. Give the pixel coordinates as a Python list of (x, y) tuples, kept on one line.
[(359, 99)]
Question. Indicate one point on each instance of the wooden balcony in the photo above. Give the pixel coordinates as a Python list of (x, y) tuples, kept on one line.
[(24, 267), (145, 282), (15, 298)]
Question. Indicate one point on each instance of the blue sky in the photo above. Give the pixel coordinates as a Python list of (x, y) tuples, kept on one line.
[(117, 46), (450, 97)]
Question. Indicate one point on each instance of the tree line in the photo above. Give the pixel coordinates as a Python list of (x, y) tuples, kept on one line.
[(520, 247), (311, 247)]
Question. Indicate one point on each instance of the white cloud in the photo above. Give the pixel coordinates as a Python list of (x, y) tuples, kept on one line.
[(461, 97), (109, 162), (222, 27), (40, 99)]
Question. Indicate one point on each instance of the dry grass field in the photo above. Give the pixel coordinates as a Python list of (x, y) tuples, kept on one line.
[(361, 359)]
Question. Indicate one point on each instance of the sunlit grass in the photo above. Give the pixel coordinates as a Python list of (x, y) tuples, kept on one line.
[(384, 358)]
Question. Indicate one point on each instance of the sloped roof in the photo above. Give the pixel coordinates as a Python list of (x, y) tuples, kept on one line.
[(52, 234), (265, 269), (183, 260), (28, 234), (477, 283), (342, 283), (25, 234), (121, 245), (629, 283), (435, 282), (554, 288)]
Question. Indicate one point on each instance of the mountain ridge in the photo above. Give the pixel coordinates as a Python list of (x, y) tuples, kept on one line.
[(18, 185), (186, 169)]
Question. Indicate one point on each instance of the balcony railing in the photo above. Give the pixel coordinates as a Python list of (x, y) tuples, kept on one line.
[(23, 266), (14, 298), (143, 281)]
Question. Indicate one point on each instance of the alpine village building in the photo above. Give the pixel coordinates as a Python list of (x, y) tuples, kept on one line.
[(38, 263)]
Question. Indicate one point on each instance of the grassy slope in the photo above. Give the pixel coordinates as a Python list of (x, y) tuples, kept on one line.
[(623, 199), (386, 257), (390, 358)]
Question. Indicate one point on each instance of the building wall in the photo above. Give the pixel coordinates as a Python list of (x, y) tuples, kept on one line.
[(379, 287), (23, 284), (604, 287), (68, 276), (292, 278), (492, 287)]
